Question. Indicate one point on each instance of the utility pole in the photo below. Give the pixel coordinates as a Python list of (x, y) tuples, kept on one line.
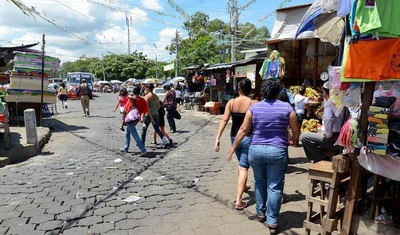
[(234, 16), (156, 68), (104, 72), (129, 34), (176, 50), (41, 93)]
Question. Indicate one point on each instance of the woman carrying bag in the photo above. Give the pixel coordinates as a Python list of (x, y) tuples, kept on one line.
[(140, 104)]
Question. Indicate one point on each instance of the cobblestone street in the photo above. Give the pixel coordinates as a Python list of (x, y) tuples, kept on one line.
[(79, 182)]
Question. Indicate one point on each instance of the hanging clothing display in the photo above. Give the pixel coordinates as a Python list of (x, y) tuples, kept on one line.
[(378, 16), (273, 67), (380, 60)]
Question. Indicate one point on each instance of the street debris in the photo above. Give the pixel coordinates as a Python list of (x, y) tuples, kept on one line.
[(70, 173), (137, 178), (118, 160), (132, 199)]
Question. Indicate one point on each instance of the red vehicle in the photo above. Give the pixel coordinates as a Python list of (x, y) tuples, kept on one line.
[(74, 80)]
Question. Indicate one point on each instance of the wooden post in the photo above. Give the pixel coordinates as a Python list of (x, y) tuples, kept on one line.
[(356, 168), (316, 55)]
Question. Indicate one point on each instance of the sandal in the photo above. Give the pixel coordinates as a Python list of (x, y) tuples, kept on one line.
[(242, 206), (142, 154), (272, 230), (122, 129), (261, 218), (153, 142)]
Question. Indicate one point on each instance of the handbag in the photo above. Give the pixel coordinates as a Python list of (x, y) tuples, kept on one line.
[(177, 115), (133, 115)]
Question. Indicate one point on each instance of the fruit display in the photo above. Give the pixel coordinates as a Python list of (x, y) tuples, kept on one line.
[(311, 93), (310, 125)]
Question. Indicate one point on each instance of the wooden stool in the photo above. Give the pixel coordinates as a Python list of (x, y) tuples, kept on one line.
[(320, 174), (324, 190)]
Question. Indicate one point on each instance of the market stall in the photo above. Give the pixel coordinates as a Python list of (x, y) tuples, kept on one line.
[(367, 84)]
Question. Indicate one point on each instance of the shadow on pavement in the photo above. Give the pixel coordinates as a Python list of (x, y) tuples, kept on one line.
[(58, 126), (292, 219), (293, 197), (298, 160)]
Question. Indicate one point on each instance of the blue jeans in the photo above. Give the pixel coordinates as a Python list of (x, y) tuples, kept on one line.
[(156, 127), (242, 151), (131, 130), (269, 165), (170, 118)]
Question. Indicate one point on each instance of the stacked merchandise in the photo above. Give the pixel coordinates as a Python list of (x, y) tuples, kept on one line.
[(26, 77), (378, 131)]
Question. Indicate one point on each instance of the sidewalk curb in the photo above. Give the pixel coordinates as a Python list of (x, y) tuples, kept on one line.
[(21, 151)]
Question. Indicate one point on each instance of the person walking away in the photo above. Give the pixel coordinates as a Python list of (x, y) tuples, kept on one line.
[(63, 95), (301, 103), (161, 114), (170, 101), (315, 143), (83, 92), (153, 103), (237, 108), (141, 105), (269, 120), (178, 95)]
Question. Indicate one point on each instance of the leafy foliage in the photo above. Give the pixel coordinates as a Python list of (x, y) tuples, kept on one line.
[(210, 41)]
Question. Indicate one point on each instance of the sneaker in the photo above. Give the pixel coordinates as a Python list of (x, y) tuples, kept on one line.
[(87, 112), (123, 151), (66, 106)]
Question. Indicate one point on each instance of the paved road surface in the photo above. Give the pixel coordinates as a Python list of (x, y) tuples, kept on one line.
[(78, 183)]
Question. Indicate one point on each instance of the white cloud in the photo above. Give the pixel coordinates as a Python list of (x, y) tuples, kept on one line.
[(103, 29), (152, 5)]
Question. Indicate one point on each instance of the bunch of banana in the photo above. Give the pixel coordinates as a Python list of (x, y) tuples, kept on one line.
[(312, 94), (294, 89), (310, 125)]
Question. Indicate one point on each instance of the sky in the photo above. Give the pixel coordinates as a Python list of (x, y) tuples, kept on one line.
[(95, 28)]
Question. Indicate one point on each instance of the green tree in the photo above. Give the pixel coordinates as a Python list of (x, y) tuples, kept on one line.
[(210, 41)]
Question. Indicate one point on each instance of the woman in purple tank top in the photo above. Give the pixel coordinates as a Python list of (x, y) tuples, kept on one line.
[(237, 108), (268, 152)]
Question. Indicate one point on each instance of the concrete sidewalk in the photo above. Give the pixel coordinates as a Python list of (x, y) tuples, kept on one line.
[(20, 150)]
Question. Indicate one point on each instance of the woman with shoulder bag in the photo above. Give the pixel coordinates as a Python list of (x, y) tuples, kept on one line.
[(153, 104), (170, 101), (139, 103)]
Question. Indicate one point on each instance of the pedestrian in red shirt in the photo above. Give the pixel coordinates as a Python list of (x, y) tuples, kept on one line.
[(141, 105)]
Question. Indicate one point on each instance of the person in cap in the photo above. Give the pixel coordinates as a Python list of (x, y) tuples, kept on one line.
[(315, 143), (83, 92)]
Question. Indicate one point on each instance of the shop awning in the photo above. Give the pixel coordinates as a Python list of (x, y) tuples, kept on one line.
[(18, 47), (287, 22)]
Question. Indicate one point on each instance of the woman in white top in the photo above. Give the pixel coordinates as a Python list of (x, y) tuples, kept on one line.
[(178, 95), (301, 104)]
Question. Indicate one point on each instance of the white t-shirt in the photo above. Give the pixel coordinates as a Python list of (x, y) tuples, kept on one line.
[(177, 93), (300, 103)]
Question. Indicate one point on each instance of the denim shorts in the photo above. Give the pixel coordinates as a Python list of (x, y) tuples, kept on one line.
[(242, 151)]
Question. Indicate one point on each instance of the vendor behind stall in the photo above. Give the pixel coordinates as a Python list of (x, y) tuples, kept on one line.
[(315, 143)]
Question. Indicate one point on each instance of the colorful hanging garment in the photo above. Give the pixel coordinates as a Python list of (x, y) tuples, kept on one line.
[(372, 60), (379, 16)]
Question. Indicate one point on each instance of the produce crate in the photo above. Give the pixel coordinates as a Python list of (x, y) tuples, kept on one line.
[(215, 112)]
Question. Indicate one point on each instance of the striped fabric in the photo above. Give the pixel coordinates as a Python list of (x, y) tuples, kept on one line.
[(270, 122)]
